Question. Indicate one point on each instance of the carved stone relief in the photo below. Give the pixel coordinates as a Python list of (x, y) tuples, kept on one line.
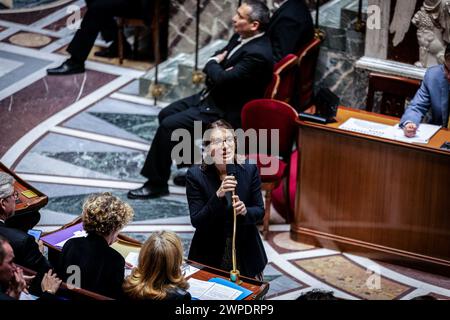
[(433, 28)]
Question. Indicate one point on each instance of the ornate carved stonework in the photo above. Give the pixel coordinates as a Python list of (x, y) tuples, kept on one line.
[(431, 22)]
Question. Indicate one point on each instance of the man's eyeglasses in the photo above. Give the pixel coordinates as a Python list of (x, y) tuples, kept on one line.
[(15, 195)]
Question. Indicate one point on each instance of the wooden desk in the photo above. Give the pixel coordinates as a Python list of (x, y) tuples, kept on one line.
[(30, 199), (384, 199), (64, 293), (125, 244)]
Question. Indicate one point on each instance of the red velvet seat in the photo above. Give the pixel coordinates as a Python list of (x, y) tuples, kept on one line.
[(279, 198), (271, 115), (283, 80), (264, 161), (307, 63)]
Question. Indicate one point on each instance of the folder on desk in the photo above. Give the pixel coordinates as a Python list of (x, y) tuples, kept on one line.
[(245, 292), (216, 289), (58, 239)]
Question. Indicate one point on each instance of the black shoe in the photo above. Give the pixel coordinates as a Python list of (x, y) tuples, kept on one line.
[(68, 67), (179, 178), (148, 192), (113, 51)]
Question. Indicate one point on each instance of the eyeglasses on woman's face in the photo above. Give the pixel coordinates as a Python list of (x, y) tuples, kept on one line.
[(218, 141)]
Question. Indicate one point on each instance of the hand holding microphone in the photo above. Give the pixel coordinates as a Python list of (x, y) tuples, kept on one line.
[(239, 206), (228, 185)]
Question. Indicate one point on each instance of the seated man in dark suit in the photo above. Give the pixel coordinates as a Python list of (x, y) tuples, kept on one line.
[(290, 28), (236, 74), (433, 95), (13, 281), (99, 17), (25, 247)]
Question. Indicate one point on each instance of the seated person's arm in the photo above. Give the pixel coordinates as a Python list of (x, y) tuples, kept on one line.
[(416, 110), (34, 259), (50, 283), (17, 285), (246, 70), (226, 48), (409, 129)]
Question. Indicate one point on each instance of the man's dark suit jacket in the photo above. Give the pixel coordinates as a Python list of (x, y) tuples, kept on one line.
[(238, 79), (213, 221), (26, 250), (102, 268), (290, 28)]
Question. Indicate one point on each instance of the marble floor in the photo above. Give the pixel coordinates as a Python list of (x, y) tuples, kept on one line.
[(76, 135)]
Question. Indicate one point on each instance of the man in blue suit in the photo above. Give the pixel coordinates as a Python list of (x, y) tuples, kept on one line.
[(433, 93)]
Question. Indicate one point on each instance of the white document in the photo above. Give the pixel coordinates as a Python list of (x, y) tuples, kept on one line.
[(205, 290), (188, 270), (76, 234), (367, 127), (27, 297), (424, 132), (132, 258)]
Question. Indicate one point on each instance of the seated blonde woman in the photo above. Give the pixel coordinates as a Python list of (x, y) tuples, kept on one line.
[(101, 267), (158, 275)]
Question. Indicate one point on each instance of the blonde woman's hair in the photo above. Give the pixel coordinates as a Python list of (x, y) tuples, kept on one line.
[(159, 268), (104, 214)]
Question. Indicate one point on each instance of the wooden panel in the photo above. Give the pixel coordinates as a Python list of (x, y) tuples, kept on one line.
[(25, 203), (373, 194)]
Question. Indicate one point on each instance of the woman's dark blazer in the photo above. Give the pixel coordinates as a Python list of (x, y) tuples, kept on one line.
[(102, 267), (208, 214)]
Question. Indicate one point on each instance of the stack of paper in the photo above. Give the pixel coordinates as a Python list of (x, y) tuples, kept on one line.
[(423, 135), (206, 290)]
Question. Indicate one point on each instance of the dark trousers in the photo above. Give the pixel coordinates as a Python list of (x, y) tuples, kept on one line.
[(178, 115), (99, 17)]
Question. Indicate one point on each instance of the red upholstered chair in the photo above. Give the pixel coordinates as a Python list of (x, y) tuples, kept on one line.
[(286, 205), (271, 115), (307, 63), (283, 80)]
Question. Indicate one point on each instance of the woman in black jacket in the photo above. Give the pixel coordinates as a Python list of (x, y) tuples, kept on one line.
[(211, 213), (90, 262)]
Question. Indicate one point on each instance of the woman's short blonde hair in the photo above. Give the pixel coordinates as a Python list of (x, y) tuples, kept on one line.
[(159, 268), (104, 214)]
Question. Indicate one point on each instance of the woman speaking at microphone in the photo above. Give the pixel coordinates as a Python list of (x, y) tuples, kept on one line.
[(207, 187)]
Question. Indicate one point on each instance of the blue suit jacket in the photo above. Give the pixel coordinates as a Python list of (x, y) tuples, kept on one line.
[(433, 93)]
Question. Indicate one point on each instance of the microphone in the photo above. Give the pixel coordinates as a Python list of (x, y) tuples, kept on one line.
[(231, 171)]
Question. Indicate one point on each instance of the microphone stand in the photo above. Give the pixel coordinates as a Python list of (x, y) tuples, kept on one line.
[(234, 274)]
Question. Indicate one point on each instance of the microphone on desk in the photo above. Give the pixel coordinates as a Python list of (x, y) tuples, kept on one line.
[(231, 171)]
